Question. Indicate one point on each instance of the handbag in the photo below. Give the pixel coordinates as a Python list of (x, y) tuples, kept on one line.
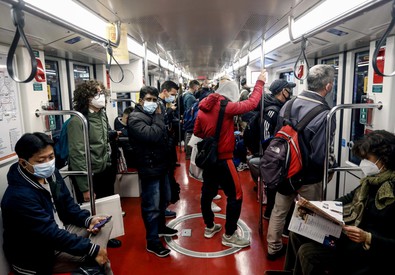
[(207, 148)]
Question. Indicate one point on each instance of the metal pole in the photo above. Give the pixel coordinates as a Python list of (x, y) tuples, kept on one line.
[(60, 22), (328, 130), (146, 63), (87, 149), (260, 182)]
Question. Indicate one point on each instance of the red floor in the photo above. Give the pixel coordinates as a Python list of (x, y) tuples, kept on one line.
[(132, 258)]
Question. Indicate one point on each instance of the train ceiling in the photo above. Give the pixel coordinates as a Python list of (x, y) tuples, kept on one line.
[(203, 37)]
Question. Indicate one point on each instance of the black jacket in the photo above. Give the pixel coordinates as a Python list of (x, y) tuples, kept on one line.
[(148, 136)]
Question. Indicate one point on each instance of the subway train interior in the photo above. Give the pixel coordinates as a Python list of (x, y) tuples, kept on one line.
[(48, 47)]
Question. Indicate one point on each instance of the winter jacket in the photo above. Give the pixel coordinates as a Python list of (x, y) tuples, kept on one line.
[(148, 135), (206, 120), (313, 143), (31, 235)]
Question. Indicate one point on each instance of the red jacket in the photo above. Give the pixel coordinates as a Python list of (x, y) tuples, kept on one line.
[(207, 117)]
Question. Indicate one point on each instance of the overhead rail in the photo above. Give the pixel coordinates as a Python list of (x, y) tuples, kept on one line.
[(328, 130), (381, 43), (88, 172), (18, 6)]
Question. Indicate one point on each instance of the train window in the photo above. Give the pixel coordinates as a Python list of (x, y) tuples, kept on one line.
[(359, 89), (122, 105), (81, 74), (54, 93), (288, 76), (332, 97)]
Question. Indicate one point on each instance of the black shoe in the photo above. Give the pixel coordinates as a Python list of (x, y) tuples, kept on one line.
[(114, 243), (167, 232), (177, 164), (158, 249), (285, 233), (170, 214), (89, 270), (267, 214), (278, 254)]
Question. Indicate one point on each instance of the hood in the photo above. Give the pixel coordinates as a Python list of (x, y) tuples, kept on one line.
[(230, 90), (209, 102), (270, 100)]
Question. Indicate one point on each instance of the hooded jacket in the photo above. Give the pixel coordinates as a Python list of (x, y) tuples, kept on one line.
[(31, 234), (209, 107)]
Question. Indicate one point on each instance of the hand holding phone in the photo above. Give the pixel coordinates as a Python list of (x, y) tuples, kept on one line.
[(102, 223)]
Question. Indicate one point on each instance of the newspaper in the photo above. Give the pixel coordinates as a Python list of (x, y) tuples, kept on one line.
[(321, 221)]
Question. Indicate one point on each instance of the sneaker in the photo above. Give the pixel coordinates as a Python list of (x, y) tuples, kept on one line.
[(234, 241), (217, 197), (210, 232), (278, 254), (215, 208), (167, 232), (242, 166), (267, 214), (170, 214), (158, 249), (285, 233), (114, 243)]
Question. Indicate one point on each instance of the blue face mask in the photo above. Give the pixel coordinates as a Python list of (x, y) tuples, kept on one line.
[(150, 107), (44, 170), (170, 99)]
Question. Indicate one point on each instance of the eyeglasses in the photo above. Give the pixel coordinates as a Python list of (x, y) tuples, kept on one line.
[(97, 96)]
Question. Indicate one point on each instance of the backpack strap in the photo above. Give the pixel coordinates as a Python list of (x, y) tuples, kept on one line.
[(310, 115), (224, 102)]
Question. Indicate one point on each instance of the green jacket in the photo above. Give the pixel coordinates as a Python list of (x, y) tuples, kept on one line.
[(99, 146)]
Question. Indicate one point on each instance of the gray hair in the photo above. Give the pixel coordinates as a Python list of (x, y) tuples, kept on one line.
[(319, 76)]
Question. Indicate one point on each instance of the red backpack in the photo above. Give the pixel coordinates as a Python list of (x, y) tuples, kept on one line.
[(282, 158)]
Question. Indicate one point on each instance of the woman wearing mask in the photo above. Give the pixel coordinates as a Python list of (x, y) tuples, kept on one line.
[(90, 99), (368, 213)]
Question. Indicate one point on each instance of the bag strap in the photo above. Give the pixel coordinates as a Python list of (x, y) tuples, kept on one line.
[(309, 117), (220, 118)]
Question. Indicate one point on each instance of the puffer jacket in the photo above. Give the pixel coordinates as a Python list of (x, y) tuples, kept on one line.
[(31, 235), (207, 118)]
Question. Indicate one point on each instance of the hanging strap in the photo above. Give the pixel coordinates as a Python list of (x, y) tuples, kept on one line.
[(220, 118), (18, 19)]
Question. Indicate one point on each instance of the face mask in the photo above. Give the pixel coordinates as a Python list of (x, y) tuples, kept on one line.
[(150, 107), (170, 99), (44, 170), (100, 102), (369, 168)]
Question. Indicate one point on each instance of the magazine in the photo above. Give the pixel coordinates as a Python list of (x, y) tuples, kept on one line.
[(321, 221)]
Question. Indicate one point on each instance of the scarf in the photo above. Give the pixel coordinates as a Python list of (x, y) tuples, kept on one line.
[(353, 211)]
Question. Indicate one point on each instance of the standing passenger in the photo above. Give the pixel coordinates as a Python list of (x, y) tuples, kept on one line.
[(90, 100), (147, 131), (313, 146), (189, 99), (224, 172), (45, 231)]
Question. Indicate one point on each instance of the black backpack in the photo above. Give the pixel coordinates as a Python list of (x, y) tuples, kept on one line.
[(252, 132), (282, 161)]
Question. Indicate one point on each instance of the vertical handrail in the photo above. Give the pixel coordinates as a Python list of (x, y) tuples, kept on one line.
[(328, 130), (87, 148), (260, 181)]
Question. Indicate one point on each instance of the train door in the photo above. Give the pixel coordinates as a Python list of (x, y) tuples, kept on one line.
[(54, 93)]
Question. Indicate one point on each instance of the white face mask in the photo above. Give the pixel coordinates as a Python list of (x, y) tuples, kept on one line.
[(369, 168), (100, 102), (150, 107), (44, 170), (170, 99)]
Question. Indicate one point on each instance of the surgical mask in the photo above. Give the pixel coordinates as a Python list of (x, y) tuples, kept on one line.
[(44, 170), (170, 99), (99, 102), (369, 168), (150, 107)]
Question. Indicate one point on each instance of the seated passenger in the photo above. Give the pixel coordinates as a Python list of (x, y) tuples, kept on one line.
[(45, 231), (368, 237)]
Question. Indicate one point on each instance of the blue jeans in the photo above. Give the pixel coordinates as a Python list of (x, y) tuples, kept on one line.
[(155, 197)]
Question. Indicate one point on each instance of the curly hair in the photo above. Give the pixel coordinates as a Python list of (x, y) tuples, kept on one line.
[(83, 94), (379, 143)]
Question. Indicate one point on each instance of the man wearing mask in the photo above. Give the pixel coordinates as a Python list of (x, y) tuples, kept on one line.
[(90, 99), (147, 132)]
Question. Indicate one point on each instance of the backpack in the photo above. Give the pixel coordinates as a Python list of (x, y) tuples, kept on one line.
[(189, 118), (61, 147), (252, 132), (282, 159)]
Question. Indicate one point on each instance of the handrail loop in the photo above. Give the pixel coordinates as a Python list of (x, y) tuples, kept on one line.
[(111, 54), (328, 130), (87, 149), (302, 53), (381, 43), (18, 19)]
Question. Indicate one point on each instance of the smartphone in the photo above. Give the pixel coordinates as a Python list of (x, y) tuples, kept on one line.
[(102, 223)]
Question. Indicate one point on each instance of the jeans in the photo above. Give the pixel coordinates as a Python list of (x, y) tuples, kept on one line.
[(155, 197)]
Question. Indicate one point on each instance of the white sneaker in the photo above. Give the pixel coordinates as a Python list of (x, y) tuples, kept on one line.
[(210, 232), (217, 197), (235, 241), (242, 166), (215, 207)]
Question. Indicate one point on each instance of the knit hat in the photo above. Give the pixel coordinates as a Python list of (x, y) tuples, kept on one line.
[(279, 84)]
